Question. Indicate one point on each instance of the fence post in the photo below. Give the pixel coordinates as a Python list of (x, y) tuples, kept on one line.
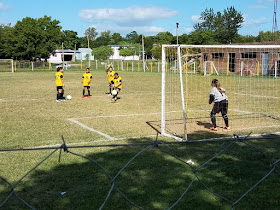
[(96, 64), (151, 66), (241, 71), (81, 64), (132, 65), (258, 68), (138, 66), (275, 69), (32, 65), (158, 67)]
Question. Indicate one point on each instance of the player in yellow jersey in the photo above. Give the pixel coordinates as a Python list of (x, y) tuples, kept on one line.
[(59, 81), (110, 75), (86, 81), (117, 86)]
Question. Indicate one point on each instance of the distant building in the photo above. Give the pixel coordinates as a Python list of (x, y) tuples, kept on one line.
[(116, 55), (238, 58), (82, 54), (67, 55)]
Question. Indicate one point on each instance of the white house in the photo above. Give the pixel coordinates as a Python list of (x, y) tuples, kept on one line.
[(83, 53), (116, 55), (67, 55)]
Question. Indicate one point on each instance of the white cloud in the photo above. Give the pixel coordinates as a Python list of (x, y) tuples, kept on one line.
[(132, 16), (195, 19), (254, 22), (258, 6), (4, 7), (124, 30), (188, 30)]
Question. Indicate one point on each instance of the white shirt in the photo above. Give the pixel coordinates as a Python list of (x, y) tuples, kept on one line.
[(217, 95)]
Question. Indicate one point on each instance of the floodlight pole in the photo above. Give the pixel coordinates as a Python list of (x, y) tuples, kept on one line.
[(177, 27)]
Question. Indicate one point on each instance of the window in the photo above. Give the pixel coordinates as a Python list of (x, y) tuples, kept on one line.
[(249, 55), (218, 55)]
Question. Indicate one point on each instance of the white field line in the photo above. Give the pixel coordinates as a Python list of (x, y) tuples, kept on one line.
[(257, 96), (241, 111), (91, 129), (151, 113), (269, 126), (124, 115)]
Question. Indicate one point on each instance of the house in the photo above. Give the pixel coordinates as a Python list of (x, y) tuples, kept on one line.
[(249, 58), (116, 55), (84, 54), (67, 55)]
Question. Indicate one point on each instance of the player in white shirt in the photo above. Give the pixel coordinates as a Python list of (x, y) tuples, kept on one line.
[(218, 96)]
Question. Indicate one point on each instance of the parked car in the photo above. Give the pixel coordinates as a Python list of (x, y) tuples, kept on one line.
[(66, 65)]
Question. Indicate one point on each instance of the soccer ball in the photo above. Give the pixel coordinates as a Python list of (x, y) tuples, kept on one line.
[(114, 92), (68, 97)]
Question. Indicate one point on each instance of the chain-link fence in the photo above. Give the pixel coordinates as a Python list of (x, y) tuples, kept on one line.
[(160, 147)]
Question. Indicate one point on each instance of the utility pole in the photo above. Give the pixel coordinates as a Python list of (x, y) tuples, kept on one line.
[(274, 26), (144, 66), (88, 52), (177, 27)]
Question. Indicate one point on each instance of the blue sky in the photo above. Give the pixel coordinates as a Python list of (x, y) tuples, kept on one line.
[(146, 16)]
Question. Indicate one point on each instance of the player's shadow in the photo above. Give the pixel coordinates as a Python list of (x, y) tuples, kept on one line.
[(204, 124)]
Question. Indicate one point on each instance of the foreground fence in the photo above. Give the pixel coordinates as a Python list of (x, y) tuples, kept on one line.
[(159, 146)]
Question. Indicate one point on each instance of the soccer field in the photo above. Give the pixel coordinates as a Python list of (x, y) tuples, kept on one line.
[(30, 117)]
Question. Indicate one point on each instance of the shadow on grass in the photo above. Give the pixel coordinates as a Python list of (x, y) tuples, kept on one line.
[(154, 179)]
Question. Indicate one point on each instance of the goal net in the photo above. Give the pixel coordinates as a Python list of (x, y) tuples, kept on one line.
[(6, 65), (248, 73)]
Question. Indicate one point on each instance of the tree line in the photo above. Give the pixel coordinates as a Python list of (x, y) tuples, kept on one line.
[(32, 38)]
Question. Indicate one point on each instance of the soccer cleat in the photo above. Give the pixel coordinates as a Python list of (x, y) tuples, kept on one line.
[(58, 100), (113, 100), (83, 96), (213, 129), (109, 94), (227, 128), (88, 96)]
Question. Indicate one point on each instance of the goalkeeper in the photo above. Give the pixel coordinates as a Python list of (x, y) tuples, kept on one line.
[(218, 96)]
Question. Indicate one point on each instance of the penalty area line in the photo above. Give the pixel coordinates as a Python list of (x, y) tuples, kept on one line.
[(91, 129)]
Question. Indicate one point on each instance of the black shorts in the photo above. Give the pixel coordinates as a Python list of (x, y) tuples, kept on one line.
[(221, 106), (87, 87), (112, 82), (59, 88)]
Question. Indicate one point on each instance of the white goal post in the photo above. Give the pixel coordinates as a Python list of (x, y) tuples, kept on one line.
[(4, 64), (178, 72), (248, 74)]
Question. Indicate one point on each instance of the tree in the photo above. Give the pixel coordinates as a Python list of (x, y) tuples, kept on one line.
[(91, 33), (126, 52), (102, 52), (224, 26), (202, 38), (132, 37), (156, 52), (164, 38), (117, 38), (31, 38), (103, 40), (70, 39)]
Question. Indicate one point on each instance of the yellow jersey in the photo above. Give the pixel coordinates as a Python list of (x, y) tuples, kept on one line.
[(58, 79), (111, 76), (117, 82), (86, 79)]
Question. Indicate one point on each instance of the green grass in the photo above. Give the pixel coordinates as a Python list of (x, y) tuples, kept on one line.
[(30, 117)]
